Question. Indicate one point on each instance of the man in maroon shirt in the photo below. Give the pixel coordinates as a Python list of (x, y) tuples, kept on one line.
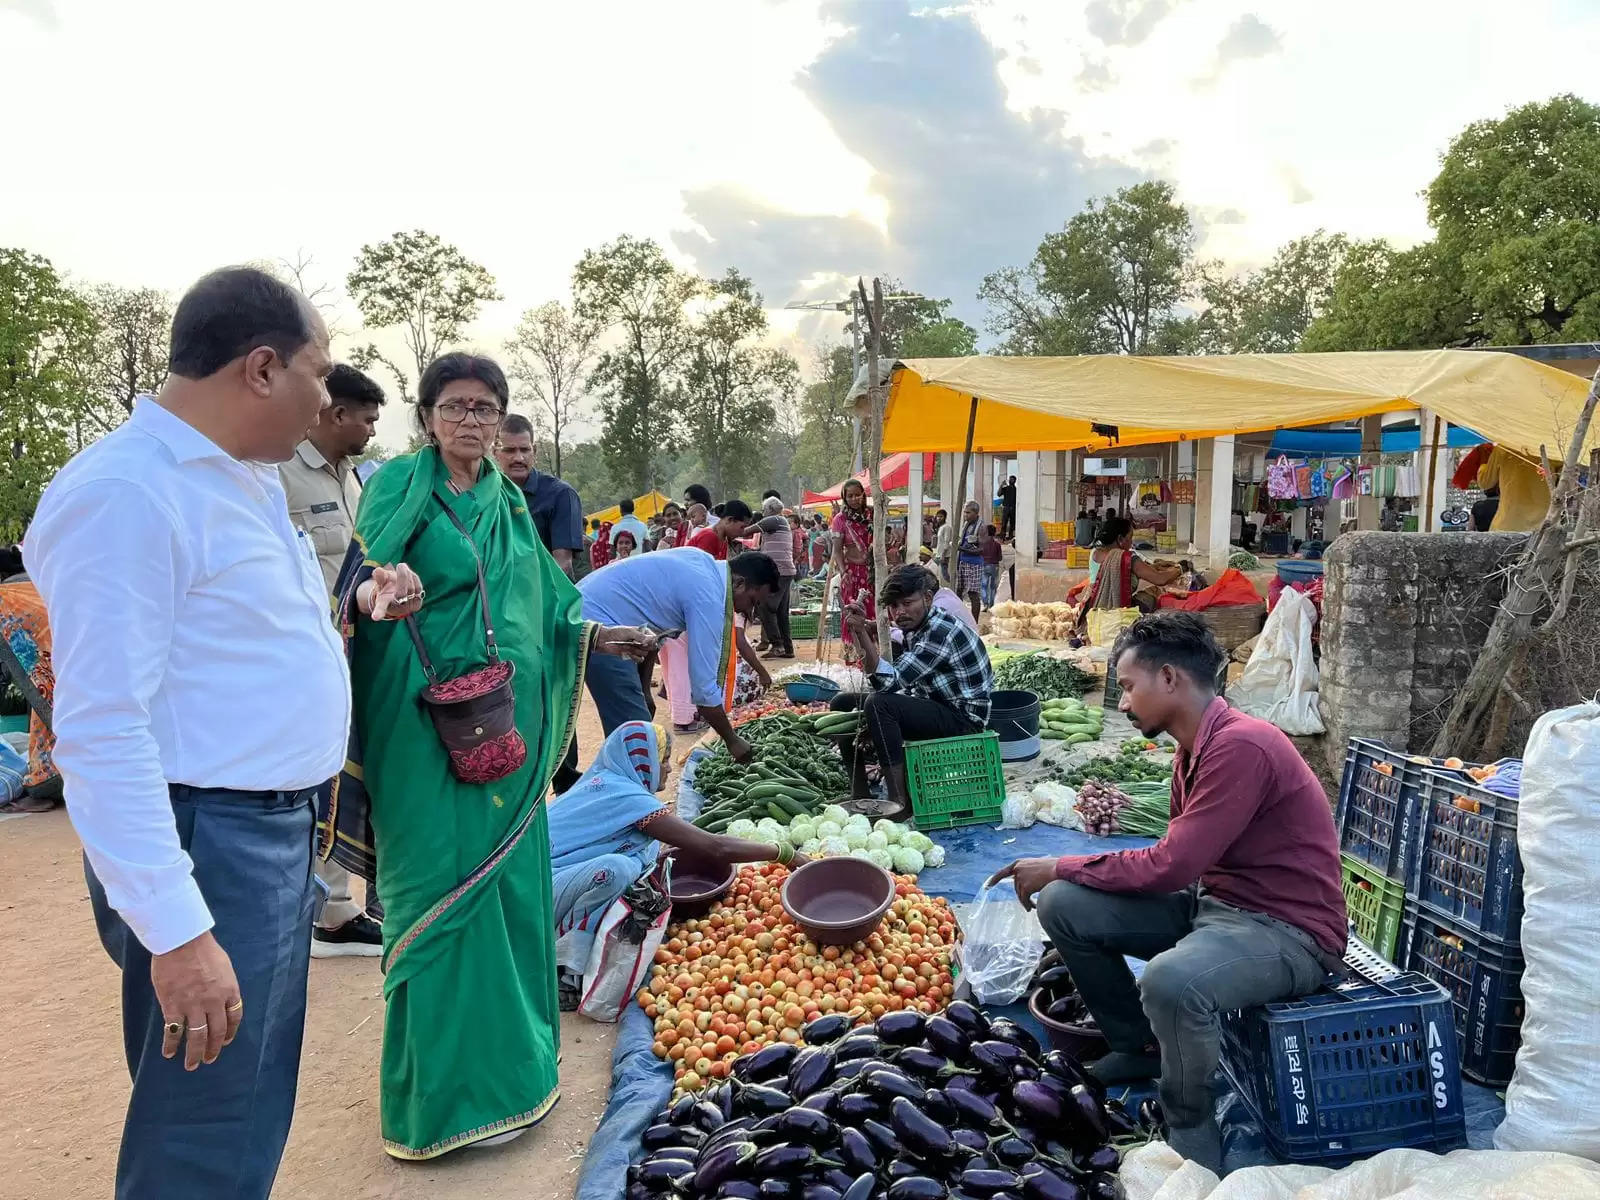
[(1239, 904), (718, 537)]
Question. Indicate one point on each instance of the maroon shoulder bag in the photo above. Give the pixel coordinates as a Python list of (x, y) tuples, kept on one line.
[(474, 714)]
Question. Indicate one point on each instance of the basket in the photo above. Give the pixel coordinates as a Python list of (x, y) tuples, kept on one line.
[(1484, 980), (1379, 814), (1375, 908), (1234, 624), (1353, 1069), (955, 781), (1467, 865), (803, 625), (1166, 541), (810, 689)]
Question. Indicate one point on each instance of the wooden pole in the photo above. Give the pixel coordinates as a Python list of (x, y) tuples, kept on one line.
[(1428, 514), (953, 561), (876, 403)]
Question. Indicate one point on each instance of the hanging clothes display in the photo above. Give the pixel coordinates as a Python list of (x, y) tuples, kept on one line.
[(1280, 479)]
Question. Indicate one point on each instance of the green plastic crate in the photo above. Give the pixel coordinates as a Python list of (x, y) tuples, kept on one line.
[(955, 781), (1374, 910)]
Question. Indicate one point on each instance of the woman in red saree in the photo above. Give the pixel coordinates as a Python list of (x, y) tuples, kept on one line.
[(1119, 578), (852, 554)]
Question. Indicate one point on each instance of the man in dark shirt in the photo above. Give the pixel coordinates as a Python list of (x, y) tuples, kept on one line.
[(1239, 904), (938, 685), (1008, 509), (552, 504)]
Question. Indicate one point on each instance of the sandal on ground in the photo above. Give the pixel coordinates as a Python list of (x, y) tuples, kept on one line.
[(876, 809)]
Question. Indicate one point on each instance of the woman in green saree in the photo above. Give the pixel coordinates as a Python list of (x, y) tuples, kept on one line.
[(471, 1027)]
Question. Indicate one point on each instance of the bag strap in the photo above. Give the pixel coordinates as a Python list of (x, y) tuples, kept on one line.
[(11, 665), (483, 601)]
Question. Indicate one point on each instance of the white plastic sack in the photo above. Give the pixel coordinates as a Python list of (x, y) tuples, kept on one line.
[(1002, 946), (1019, 811), (1057, 804), (624, 948), (1154, 1172), (1553, 1102), (1280, 680)]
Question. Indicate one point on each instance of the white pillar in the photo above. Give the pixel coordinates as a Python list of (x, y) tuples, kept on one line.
[(1065, 511), (1431, 506), (1183, 522), (1028, 506), (947, 486), (1214, 500), (914, 506), (1369, 508)]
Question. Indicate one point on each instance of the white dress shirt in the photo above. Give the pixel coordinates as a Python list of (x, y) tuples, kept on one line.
[(193, 643)]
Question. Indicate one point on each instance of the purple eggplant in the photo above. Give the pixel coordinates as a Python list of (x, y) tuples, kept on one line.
[(1104, 1186), (1037, 1105), (881, 1136), (659, 1136), (972, 1109), (995, 1058), (853, 1107), (1006, 1195), (856, 1151), (986, 1182), (917, 1187), (900, 1028), (742, 1130), (724, 1163), (861, 1187), (926, 1064), (666, 1172), (1024, 1070), (968, 1017), (1014, 1151), (1151, 1119), (1042, 1182), (902, 1167), (822, 1030), (739, 1189), (838, 1179), (709, 1116), (1120, 1122), (1085, 1120), (945, 1037), (805, 1125), (823, 1102), (809, 1070), (922, 1135), (776, 1188), (1064, 1067), (1055, 979), (888, 1083), (819, 1191), (963, 1083), (971, 1139), (789, 1161), (936, 1106), (848, 1070), (761, 1099), (1102, 1158), (862, 1044), (1004, 1030), (638, 1191), (766, 1063)]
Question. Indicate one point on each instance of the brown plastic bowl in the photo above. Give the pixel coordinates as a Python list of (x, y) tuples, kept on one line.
[(1080, 1041), (838, 900), (697, 885)]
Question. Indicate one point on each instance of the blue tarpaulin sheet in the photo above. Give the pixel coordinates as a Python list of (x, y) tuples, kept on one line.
[(641, 1083), (1331, 443)]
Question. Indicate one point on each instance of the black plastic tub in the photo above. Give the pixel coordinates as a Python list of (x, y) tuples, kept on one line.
[(1015, 717)]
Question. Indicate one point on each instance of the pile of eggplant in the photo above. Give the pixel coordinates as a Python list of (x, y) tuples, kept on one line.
[(1058, 997), (912, 1107)]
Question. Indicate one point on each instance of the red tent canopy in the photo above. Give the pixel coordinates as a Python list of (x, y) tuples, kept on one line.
[(895, 470)]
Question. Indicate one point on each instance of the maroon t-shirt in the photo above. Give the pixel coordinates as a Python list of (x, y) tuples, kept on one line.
[(1249, 822)]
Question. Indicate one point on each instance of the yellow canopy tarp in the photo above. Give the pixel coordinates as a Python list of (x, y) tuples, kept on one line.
[(1051, 403), (644, 507)]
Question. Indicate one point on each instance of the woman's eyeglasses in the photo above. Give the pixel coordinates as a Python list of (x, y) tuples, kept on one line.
[(453, 412)]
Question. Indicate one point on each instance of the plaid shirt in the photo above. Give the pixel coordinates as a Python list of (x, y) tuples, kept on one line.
[(942, 659)]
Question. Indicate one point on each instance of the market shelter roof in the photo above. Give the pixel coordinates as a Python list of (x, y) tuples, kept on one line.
[(1071, 403), (644, 507), (895, 471)]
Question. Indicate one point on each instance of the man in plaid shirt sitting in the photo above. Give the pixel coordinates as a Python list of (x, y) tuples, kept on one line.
[(937, 687)]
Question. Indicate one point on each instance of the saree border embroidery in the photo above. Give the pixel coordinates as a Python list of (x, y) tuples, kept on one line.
[(523, 1120)]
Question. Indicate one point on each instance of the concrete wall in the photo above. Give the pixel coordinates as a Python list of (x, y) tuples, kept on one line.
[(1402, 617)]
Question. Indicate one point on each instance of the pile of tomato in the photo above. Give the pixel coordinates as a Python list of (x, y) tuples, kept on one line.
[(745, 975)]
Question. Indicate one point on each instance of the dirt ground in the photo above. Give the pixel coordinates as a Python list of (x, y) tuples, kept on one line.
[(64, 1085)]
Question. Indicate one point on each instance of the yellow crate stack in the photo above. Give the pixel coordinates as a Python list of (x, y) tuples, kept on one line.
[(1078, 556), (1060, 531), (1166, 541)]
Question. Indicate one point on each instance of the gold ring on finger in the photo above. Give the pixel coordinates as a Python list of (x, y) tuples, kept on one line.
[(174, 1028), (236, 1006)]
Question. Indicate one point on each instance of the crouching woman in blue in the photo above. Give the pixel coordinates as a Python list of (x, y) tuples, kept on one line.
[(608, 829)]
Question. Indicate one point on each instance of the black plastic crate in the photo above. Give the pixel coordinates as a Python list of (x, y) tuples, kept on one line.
[(1380, 806), (1467, 865), (1484, 979)]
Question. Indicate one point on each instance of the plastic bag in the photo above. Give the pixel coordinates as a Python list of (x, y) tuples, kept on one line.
[(13, 770), (1002, 947), (1018, 811), (1280, 680), (1553, 1101), (625, 945), (1105, 625), (1058, 805)]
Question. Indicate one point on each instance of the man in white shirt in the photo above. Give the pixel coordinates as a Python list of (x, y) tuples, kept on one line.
[(201, 696)]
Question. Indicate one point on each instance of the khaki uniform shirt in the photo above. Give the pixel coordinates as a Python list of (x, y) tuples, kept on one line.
[(322, 501)]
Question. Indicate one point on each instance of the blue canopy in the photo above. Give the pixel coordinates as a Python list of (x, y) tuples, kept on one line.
[(1331, 443)]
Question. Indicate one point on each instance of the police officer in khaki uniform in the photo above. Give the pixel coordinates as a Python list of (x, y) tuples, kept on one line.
[(323, 491)]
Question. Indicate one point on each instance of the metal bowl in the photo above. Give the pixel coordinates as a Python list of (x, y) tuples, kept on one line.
[(1080, 1041), (838, 901), (697, 885)]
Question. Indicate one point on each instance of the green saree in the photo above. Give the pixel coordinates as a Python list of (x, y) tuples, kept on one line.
[(471, 1026)]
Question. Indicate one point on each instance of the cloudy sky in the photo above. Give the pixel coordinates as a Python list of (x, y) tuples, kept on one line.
[(804, 141)]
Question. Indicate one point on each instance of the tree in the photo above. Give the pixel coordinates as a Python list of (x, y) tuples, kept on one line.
[(547, 357), (584, 467), (422, 284), (1268, 311), (46, 333), (301, 274), (1388, 299), (1517, 204), (732, 385), (945, 338), (1109, 282), (130, 351), (823, 451), (630, 286)]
